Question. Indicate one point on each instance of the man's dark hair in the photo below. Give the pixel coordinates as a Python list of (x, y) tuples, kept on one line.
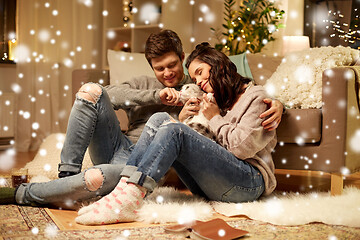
[(224, 79), (161, 43)]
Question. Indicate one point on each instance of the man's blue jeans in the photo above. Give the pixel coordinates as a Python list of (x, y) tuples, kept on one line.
[(204, 166), (92, 125)]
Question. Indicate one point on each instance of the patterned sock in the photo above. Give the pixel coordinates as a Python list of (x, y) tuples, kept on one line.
[(115, 208), (117, 190)]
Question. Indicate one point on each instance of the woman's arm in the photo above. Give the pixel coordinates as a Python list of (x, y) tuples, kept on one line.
[(240, 131)]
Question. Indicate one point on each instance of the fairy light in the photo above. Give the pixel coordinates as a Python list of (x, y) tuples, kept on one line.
[(345, 31)]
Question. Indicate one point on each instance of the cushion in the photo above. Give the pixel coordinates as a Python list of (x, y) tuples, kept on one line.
[(262, 66), (242, 64), (300, 126), (45, 162), (124, 65), (297, 81)]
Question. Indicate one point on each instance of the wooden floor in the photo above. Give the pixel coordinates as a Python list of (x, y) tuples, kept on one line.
[(288, 180)]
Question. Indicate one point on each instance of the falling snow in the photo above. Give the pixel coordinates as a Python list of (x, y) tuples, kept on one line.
[(7, 159), (159, 199), (35, 230), (51, 231), (149, 13)]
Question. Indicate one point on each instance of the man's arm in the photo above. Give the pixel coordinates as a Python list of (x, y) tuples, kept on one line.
[(139, 91), (274, 112), (170, 97)]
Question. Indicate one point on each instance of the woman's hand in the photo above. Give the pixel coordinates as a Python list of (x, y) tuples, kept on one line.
[(171, 97), (211, 109), (190, 108), (274, 113)]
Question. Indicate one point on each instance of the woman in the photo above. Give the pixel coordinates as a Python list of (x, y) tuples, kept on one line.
[(236, 169), (69, 192)]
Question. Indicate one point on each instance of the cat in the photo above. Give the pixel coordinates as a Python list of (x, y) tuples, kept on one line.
[(197, 122)]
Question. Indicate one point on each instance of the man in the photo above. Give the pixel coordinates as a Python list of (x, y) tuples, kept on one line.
[(93, 122)]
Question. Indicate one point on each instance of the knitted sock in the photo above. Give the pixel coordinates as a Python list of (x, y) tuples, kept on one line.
[(120, 208), (7, 195), (117, 190)]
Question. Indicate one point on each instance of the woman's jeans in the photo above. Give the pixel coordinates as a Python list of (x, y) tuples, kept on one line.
[(204, 166), (90, 125)]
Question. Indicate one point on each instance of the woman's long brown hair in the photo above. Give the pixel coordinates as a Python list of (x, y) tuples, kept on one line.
[(224, 79)]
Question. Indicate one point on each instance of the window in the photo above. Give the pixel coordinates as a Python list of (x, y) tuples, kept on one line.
[(332, 23), (7, 30)]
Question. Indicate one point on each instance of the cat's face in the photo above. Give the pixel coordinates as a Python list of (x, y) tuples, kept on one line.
[(190, 90)]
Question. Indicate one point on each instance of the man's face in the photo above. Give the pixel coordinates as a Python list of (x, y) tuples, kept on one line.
[(168, 69)]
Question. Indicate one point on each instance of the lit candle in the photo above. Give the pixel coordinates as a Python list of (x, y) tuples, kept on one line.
[(12, 44), (295, 43)]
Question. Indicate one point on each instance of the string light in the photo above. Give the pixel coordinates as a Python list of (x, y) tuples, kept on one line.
[(345, 31)]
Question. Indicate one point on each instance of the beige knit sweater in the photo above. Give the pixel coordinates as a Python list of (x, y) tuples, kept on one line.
[(240, 131)]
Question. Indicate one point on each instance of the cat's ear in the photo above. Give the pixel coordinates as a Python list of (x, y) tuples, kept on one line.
[(210, 96)]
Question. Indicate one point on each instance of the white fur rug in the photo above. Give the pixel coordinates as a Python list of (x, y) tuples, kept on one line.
[(168, 205), (44, 166)]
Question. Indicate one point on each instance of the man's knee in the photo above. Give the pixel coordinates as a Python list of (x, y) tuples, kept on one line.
[(90, 92), (93, 179)]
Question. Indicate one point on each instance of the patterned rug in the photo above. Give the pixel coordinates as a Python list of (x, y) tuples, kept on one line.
[(20, 222)]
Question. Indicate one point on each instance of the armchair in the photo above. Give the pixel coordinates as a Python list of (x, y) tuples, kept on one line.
[(308, 139)]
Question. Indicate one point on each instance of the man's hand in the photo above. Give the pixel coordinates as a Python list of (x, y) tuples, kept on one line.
[(190, 108), (274, 113), (171, 97)]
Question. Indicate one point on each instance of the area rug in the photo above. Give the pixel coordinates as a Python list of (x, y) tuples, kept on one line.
[(19, 222)]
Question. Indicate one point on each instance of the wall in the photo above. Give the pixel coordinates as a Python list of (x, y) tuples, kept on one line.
[(7, 102), (7, 76)]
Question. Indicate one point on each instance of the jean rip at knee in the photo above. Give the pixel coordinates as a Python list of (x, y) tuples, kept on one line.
[(153, 128), (90, 92), (94, 179)]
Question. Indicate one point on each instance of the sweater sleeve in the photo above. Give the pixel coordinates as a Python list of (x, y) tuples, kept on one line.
[(135, 92), (243, 134)]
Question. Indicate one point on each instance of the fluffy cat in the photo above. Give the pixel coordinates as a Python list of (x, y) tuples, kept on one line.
[(197, 122)]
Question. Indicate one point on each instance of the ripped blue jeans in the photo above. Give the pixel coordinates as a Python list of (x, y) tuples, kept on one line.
[(68, 192), (205, 167), (92, 125)]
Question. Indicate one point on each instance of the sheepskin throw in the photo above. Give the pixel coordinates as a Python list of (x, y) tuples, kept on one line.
[(296, 209), (297, 82), (44, 166)]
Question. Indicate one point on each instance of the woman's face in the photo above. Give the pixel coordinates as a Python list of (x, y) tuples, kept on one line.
[(199, 72)]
